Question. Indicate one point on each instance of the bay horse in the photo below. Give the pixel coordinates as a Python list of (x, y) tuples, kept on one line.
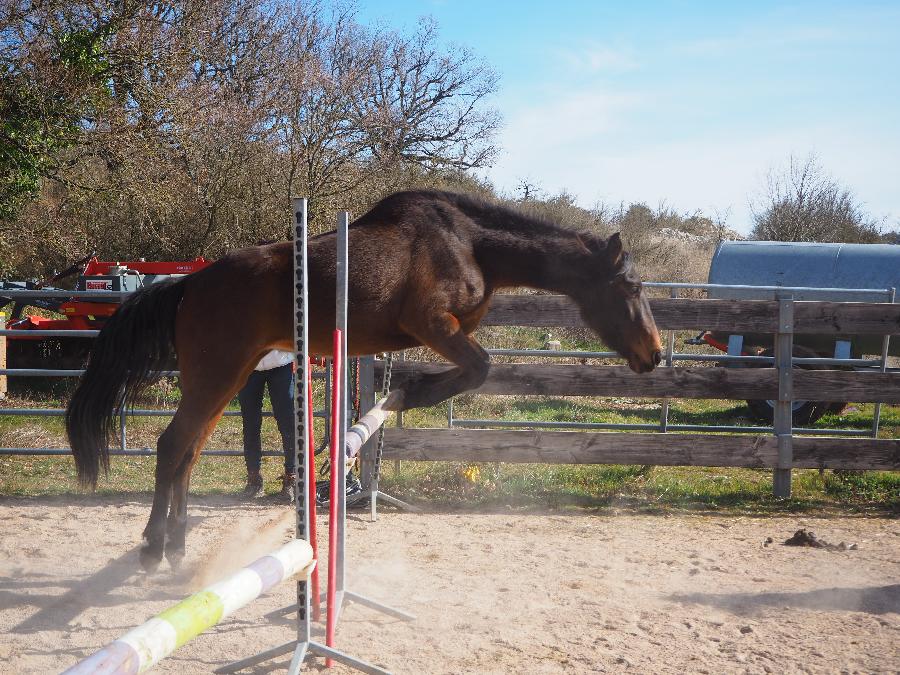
[(423, 267)]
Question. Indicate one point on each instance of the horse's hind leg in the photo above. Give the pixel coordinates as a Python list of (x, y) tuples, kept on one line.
[(209, 380), (174, 451), (176, 526), (444, 335), (168, 456)]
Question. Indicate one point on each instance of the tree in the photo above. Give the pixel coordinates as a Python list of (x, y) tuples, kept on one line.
[(53, 74), (803, 203), (195, 120), (423, 104)]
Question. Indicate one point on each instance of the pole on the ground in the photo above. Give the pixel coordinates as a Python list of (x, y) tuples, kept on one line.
[(143, 647)]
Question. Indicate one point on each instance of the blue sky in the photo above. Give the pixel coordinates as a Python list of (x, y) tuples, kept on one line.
[(686, 103)]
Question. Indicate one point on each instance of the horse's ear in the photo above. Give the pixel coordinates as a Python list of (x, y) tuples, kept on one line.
[(614, 250), (583, 242), (590, 243)]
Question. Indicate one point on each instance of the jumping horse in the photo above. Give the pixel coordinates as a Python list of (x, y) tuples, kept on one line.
[(423, 267)]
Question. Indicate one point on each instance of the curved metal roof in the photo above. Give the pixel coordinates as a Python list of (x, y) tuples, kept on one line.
[(809, 265)]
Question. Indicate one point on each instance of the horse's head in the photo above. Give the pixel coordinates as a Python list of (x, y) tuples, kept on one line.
[(616, 308)]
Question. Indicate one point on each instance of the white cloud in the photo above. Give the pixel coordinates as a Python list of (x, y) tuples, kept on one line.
[(562, 118), (760, 38), (595, 59)]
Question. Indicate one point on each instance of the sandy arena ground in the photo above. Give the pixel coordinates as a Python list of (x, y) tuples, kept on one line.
[(493, 593)]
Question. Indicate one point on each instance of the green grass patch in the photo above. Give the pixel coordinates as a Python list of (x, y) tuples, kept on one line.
[(539, 486)]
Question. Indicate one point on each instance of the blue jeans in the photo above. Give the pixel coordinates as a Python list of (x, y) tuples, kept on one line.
[(281, 394)]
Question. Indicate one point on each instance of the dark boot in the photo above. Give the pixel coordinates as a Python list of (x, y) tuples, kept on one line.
[(287, 488), (353, 488), (254, 487)]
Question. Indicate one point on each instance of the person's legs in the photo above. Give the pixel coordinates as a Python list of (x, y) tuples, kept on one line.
[(250, 399), (281, 393)]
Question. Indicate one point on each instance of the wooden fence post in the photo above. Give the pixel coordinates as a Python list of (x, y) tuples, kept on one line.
[(784, 414)]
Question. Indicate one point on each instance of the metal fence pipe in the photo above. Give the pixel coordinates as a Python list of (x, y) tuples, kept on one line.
[(806, 431), (59, 412), (26, 293), (130, 452), (686, 356), (38, 372), (556, 354), (722, 358), (774, 289), (827, 361), (28, 333), (525, 424)]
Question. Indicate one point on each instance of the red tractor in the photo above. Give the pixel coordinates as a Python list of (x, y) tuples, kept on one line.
[(75, 314)]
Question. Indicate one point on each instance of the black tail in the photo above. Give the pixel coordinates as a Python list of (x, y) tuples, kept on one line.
[(136, 341)]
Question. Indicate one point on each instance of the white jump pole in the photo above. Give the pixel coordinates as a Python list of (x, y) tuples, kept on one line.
[(365, 428), (143, 647)]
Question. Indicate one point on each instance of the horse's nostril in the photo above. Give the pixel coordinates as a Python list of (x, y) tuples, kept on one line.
[(657, 357)]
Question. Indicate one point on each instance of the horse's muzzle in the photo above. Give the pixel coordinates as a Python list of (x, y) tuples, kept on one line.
[(644, 364)]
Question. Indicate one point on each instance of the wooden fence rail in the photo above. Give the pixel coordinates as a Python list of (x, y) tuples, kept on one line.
[(542, 379), (759, 316), (570, 447)]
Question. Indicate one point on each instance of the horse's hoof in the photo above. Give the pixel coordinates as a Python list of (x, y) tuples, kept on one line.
[(174, 558), (175, 551), (149, 558), (394, 401)]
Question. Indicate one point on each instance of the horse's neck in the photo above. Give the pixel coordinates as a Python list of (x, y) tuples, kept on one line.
[(547, 259)]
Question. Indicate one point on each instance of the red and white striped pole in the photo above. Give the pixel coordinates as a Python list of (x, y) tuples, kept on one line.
[(337, 458), (311, 491)]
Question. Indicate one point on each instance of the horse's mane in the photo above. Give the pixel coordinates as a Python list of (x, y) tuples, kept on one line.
[(509, 218), (493, 216)]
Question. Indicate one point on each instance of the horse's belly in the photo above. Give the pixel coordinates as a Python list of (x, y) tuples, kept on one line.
[(361, 341)]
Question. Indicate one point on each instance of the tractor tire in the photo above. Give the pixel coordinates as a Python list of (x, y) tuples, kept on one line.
[(47, 353), (804, 413)]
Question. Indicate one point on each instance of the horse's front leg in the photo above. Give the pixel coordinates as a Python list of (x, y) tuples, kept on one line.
[(443, 334)]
